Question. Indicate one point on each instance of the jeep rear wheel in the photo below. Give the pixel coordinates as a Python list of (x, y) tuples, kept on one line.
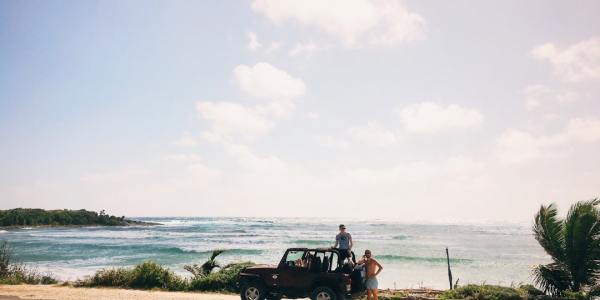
[(323, 293), (253, 291)]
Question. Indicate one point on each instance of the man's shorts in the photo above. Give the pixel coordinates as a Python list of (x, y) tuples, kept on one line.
[(371, 283), (344, 253)]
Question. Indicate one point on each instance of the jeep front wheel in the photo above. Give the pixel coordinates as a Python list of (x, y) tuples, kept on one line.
[(253, 291), (323, 293)]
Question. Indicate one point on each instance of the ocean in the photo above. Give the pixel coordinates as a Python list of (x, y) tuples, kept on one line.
[(413, 255)]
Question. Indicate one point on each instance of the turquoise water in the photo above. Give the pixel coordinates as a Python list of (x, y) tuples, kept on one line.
[(413, 255)]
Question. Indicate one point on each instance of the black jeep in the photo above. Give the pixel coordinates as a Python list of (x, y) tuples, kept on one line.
[(301, 273)]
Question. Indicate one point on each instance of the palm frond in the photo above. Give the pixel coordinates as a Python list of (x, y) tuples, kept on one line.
[(581, 231), (194, 269), (207, 267), (548, 230), (552, 278), (216, 253), (211, 264)]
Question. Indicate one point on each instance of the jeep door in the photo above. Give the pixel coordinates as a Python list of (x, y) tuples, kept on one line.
[(293, 277)]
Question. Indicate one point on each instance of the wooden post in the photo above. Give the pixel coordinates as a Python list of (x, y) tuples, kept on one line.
[(449, 271)]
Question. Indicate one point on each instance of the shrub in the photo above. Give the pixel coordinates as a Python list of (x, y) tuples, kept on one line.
[(579, 295), (484, 292), (395, 295), (531, 290), (120, 277), (12, 272), (147, 275), (150, 275), (226, 279), (494, 292)]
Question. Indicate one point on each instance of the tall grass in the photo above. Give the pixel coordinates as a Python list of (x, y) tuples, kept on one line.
[(495, 292), (147, 275), (226, 279), (150, 275), (13, 272)]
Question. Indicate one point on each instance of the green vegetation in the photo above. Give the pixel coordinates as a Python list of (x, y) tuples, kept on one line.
[(12, 272), (573, 244), (39, 217), (147, 275), (207, 267), (393, 295), (225, 279), (492, 292), (150, 275)]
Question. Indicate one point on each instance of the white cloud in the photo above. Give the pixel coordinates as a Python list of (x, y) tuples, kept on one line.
[(307, 48), (584, 130), (279, 109), (264, 81), (401, 25), (577, 62), (351, 21), (184, 158), (121, 175), (187, 140), (373, 134), (254, 163), (273, 47), (253, 43), (331, 142), (313, 115), (274, 87), (232, 120), (428, 117), (517, 146), (538, 96)]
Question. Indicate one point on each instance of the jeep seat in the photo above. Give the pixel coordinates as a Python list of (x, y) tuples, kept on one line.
[(315, 265), (325, 264)]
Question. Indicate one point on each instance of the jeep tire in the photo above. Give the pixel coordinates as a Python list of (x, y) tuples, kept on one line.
[(253, 291), (324, 293)]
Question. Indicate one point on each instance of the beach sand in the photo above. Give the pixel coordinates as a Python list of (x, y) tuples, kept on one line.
[(54, 292), (50, 292)]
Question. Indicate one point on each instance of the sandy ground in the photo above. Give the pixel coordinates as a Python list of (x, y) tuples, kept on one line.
[(49, 292)]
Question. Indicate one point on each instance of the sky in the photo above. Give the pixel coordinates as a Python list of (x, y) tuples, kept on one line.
[(415, 111)]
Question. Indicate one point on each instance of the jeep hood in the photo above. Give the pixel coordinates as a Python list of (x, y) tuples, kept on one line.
[(260, 269)]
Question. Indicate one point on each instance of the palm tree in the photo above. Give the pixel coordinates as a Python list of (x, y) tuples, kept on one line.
[(573, 244), (207, 267)]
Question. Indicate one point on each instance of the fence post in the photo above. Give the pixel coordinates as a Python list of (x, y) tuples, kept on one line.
[(449, 271)]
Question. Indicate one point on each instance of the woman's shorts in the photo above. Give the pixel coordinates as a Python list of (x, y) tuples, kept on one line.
[(371, 283)]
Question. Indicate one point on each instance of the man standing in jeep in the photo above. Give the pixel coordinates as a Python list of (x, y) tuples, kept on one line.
[(343, 242)]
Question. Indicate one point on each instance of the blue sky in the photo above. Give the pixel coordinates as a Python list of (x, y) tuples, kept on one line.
[(271, 108)]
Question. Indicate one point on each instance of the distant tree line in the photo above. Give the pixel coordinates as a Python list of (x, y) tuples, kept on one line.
[(37, 217)]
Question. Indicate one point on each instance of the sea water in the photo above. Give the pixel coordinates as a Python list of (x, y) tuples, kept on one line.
[(413, 255)]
